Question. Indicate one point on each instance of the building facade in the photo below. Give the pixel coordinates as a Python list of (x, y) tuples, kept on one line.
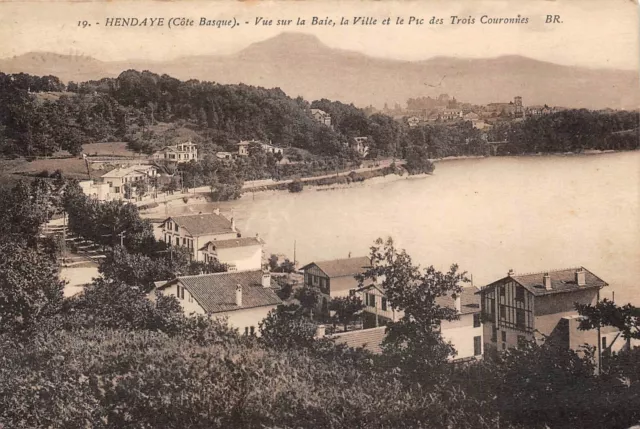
[(182, 152), (321, 116), (96, 190), (537, 307), (136, 175), (195, 231), (465, 334), (240, 254), (243, 299), (334, 278), (243, 147)]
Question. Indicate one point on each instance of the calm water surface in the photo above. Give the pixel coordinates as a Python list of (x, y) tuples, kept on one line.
[(487, 215)]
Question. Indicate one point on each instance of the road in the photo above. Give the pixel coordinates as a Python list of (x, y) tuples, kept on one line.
[(256, 184)]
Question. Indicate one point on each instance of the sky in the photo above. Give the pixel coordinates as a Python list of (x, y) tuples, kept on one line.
[(593, 33)]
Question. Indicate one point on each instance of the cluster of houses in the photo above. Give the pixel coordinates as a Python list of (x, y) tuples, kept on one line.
[(481, 117), (503, 314)]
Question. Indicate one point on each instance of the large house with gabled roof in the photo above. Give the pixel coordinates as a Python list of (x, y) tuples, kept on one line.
[(334, 278), (244, 298), (195, 231), (540, 306)]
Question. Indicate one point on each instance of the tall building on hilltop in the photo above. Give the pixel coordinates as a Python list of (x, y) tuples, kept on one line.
[(519, 111)]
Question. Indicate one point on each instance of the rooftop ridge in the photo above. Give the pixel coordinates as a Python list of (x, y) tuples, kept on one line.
[(548, 271), (216, 274)]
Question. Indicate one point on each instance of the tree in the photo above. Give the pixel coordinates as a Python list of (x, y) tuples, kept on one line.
[(32, 205), (296, 185), (347, 309), (30, 288), (418, 160), (287, 327), (414, 344), (116, 305), (308, 297), (606, 313)]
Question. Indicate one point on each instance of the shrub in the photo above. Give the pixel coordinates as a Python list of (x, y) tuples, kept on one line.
[(296, 185)]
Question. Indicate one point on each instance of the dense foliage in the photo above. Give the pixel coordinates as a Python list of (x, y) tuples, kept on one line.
[(40, 116)]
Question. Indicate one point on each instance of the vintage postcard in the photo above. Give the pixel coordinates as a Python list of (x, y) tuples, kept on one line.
[(341, 214)]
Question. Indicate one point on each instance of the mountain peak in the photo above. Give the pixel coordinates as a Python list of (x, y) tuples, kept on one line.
[(286, 42)]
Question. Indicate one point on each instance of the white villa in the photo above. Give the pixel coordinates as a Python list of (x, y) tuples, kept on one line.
[(243, 298), (183, 152), (118, 178), (240, 254)]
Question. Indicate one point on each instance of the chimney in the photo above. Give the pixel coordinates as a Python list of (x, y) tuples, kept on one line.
[(239, 296), (266, 279), (546, 281), (510, 273), (458, 303), (320, 331), (580, 277)]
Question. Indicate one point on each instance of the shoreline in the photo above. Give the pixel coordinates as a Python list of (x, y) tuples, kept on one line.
[(342, 181)]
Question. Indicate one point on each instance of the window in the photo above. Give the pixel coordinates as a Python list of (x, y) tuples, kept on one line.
[(502, 290), (522, 341), (372, 300), (307, 278), (316, 280), (503, 312), (384, 304), (190, 297), (520, 293), (476, 320), (520, 318), (494, 335), (504, 336), (246, 330), (477, 346), (180, 292), (169, 225), (176, 227), (116, 189), (252, 330)]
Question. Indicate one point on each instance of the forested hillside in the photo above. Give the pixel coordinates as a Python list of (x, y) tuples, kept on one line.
[(40, 116)]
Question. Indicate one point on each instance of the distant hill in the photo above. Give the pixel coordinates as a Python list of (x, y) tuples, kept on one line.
[(302, 65)]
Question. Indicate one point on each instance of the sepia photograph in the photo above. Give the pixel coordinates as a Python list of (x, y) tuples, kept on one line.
[(320, 214)]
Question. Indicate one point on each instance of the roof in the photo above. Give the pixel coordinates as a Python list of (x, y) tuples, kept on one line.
[(469, 301), (342, 267), (234, 242), (216, 292), (369, 339), (561, 281), (203, 224), (319, 111), (121, 172)]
